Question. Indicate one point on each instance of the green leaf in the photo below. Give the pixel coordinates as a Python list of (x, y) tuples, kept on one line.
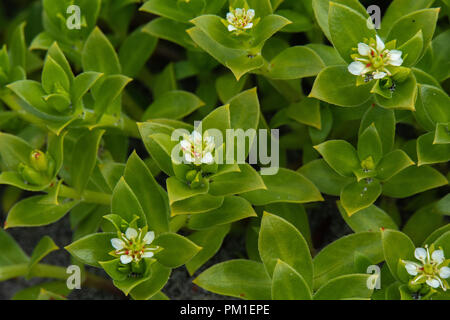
[(288, 284), (135, 50), (371, 218), (348, 27), (359, 195), (397, 246), (43, 248), (413, 180), (430, 107), (148, 289), (99, 55), (280, 240), (443, 241), (210, 240), (326, 179), (31, 92), (322, 7), (14, 150), (337, 86), (422, 223), (307, 112), (168, 9), (285, 186), (17, 47), (170, 30), (32, 293), (227, 86), (92, 248), (369, 145), (403, 98), (232, 209), (384, 121), (412, 49), (347, 287), (294, 63), (84, 157), (54, 77), (441, 68), (393, 163), (82, 83), (407, 26), (173, 105), (37, 211), (238, 61), (150, 195), (12, 253), (340, 155), (177, 250), (125, 204), (337, 258), (106, 91), (243, 279), (400, 8), (246, 180), (430, 153)]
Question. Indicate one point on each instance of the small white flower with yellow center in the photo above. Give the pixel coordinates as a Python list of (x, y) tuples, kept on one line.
[(133, 245), (432, 270), (198, 150), (240, 19), (373, 59)]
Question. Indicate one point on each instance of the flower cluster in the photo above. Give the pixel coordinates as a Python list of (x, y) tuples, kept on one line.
[(133, 245), (240, 19), (373, 59), (432, 270), (198, 150)]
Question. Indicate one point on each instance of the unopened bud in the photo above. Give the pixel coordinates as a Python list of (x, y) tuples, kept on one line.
[(39, 160), (401, 74)]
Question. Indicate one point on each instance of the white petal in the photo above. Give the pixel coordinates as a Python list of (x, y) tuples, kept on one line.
[(364, 49), (379, 75), (444, 272), (438, 256), (125, 259), (197, 137), (411, 268), (395, 58), (250, 14), (230, 17), (117, 243), (395, 54), (420, 254), (131, 233), (148, 254), (356, 68), (380, 44), (188, 158), (149, 237), (248, 26), (208, 158), (433, 283), (186, 145), (231, 28), (238, 12)]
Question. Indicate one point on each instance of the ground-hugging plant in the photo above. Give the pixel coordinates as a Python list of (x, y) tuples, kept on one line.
[(165, 127)]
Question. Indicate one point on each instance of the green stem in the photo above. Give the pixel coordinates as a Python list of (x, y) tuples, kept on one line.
[(87, 195)]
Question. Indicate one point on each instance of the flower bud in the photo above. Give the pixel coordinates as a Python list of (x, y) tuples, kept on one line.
[(197, 182), (190, 176), (414, 287), (39, 160)]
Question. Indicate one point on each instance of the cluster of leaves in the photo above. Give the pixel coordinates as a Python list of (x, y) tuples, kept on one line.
[(377, 149)]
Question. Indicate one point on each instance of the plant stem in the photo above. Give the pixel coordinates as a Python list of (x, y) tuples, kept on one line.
[(87, 195)]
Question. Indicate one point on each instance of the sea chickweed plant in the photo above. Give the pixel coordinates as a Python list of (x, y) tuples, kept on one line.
[(161, 129)]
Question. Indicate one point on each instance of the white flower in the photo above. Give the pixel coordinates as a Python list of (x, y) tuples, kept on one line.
[(240, 19), (431, 270), (373, 59), (197, 149), (133, 245)]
